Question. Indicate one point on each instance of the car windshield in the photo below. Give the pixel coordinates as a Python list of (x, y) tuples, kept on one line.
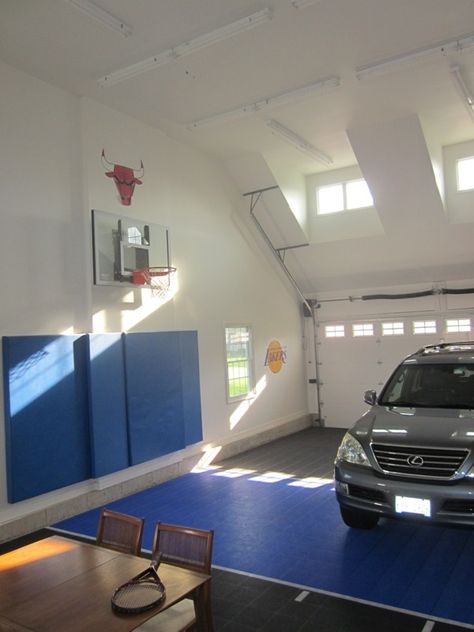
[(430, 386)]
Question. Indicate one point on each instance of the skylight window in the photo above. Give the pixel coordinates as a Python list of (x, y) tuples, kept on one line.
[(343, 196), (465, 174)]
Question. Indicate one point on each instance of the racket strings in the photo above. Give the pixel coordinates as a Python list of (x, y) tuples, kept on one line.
[(139, 595)]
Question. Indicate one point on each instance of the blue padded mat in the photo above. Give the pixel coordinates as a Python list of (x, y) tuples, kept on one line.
[(285, 531)]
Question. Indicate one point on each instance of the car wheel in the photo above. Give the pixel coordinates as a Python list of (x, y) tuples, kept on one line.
[(359, 519)]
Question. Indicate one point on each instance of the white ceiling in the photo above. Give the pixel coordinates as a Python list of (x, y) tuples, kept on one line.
[(384, 124)]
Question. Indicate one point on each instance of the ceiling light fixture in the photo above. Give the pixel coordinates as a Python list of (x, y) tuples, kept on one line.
[(280, 99), (186, 48), (467, 97), (100, 15), (393, 63), (299, 143), (301, 4)]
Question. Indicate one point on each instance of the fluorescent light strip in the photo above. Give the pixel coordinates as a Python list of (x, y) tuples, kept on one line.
[(301, 4), (280, 99), (100, 15), (186, 48), (299, 143), (393, 63), (468, 99)]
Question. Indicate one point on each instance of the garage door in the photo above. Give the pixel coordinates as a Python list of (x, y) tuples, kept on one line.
[(355, 356)]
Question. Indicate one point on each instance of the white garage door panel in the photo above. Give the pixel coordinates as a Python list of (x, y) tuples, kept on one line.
[(349, 366)]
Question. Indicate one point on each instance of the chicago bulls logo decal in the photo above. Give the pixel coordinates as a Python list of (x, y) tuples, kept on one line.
[(125, 178)]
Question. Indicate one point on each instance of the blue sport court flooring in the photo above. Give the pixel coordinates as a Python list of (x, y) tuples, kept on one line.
[(275, 516)]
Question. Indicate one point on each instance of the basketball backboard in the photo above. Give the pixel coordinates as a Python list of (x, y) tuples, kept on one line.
[(122, 245)]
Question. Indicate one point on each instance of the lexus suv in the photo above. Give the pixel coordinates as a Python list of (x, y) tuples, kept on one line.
[(411, 455)]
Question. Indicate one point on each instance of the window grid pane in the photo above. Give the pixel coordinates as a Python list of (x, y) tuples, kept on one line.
[(363, 329), (458, 325), (392, 329), (238, 358), (330, 199), (334, 331), (358, 194), (424, 327), (465, 174)]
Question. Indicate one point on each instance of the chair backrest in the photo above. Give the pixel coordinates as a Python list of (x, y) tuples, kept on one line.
[(184, 546), (120, 532)]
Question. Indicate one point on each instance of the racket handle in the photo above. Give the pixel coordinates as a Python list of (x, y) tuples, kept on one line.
[(155, 562)]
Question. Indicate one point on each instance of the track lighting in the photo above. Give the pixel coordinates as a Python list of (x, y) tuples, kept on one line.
[(467, 97), (299, 143), (393, 63), (280, 99), (102, 16), (186, 48)]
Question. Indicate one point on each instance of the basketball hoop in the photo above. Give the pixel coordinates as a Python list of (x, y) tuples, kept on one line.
[(158, 279)]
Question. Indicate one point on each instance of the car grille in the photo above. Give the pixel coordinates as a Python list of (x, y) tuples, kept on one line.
[(415, 461)]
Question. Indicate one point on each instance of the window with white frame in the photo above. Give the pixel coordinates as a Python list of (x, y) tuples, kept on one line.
[(362, 329), (334, 331), (424, 327), (465, 174), (343, 196), (456, 325), (393, 329), (239, 362)]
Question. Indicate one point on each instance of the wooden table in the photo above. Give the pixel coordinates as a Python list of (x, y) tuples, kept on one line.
[(62, 585)]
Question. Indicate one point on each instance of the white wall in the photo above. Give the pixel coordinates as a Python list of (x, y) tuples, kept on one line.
[(51, 177)]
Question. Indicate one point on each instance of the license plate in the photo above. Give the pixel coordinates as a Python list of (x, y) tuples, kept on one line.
[(406, 504)]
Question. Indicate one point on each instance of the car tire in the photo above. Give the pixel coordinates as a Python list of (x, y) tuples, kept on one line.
[(358, 519)]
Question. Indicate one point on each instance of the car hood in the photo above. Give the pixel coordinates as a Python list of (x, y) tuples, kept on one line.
[(416, 426)]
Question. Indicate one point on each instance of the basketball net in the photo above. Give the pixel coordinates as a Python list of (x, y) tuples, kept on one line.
[(160, 280)]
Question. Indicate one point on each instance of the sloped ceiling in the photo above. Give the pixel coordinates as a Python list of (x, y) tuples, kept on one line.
[(392, 126)]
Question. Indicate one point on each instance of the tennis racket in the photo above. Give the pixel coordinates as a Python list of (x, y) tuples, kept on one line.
[(142, 592)]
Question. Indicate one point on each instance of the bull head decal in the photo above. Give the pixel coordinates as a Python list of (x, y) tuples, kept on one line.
[(125, 178)]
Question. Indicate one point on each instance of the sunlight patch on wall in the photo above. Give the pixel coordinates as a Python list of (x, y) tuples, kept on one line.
[(204, 463), (244, 406)]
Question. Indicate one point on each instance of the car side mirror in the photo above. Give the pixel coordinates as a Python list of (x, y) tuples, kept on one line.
[(370, 397)]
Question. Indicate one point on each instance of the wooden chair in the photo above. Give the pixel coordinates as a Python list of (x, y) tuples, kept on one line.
[(120, 532), (188, 548)]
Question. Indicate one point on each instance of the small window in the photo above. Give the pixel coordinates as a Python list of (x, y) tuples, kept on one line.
[(392, 329), (363, 329), (358, 194), (424, 327), (239, 362), (458, 325), (334, 331), (330, 199), (465, 174), (343, 196)]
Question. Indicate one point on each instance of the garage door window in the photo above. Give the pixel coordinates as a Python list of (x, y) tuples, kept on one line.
[(424, 327)]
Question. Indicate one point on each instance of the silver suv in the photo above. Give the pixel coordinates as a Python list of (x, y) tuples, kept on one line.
[(412, 453)]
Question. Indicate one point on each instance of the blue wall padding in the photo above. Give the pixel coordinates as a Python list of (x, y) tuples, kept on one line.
[(191, 387), (47, 436), (107, 404), (155, 394), (85, 406)]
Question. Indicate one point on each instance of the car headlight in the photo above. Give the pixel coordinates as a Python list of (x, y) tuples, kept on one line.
[(351, 451)]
